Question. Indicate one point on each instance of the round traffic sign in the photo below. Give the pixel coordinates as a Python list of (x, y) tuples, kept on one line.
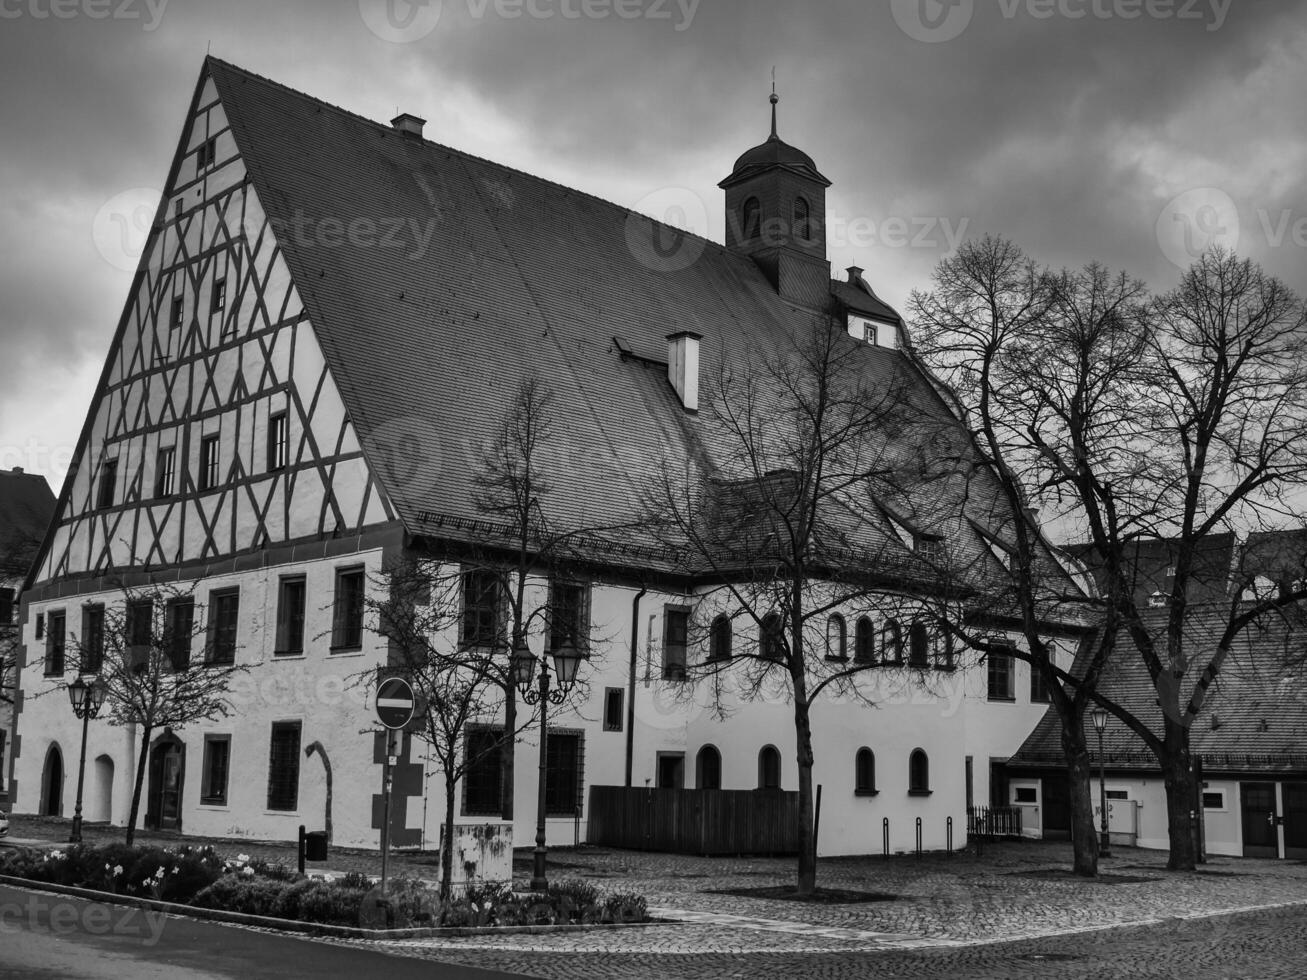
[(395, 702)]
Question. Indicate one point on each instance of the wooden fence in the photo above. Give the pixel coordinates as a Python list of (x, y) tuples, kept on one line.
[(694, 821)]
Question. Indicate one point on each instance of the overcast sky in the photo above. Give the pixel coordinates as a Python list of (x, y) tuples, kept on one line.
[(1129, 131)]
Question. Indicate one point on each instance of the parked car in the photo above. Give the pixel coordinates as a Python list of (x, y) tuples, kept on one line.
[(4, 823)]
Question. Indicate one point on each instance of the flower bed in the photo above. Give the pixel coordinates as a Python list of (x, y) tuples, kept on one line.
[(200, 877)]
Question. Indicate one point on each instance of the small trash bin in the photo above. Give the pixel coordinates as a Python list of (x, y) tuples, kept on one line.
[(315, 845)]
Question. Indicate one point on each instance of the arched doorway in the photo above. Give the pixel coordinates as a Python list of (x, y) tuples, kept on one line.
[(167, 775), (52, 783), (100, 808)]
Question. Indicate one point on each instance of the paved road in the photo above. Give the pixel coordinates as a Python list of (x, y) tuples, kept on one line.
[(50, 936), (1268, 945)]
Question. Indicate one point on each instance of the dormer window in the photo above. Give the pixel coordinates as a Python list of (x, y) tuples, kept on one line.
[(752, 225), (878, 333)]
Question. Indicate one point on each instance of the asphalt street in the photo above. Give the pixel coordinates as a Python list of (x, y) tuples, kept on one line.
[(52, 936)]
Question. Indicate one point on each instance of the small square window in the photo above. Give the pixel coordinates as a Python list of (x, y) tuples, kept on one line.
[(1214, 799), (108, 483), (276, 442), (1025, 794), (218, 302), (207, 154), (165, 472), (614, 699), (209, 453)]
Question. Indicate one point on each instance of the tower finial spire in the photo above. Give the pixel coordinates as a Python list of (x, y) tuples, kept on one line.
[(774, 99)]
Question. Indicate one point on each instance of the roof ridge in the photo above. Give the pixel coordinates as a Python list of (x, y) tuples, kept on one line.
[(455, 151)]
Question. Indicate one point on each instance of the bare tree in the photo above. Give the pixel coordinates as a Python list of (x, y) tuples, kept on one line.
[(790, 518), (143, 650), (1180, 417)]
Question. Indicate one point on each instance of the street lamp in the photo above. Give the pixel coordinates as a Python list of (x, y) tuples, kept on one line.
[(87, 699), (1099, 717), (566, 661)]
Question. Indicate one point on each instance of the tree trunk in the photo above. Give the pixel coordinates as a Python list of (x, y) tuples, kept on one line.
[(507, 746), (1177, 773), (447, 840), (141, 760), (807, 880), (1079, 769)]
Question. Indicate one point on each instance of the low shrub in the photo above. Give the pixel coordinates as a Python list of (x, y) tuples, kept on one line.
[(249, 894)]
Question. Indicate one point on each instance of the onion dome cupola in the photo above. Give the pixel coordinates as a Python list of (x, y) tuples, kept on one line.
[(775, 213)]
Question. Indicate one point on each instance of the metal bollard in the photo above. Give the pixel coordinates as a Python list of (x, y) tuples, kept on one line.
[(950, 836), (885, 835), (918, 837)]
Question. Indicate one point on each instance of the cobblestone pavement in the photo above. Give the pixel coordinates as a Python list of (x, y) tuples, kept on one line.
[(1269, 945)]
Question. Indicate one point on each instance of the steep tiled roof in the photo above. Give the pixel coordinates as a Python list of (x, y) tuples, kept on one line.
[(1255, 715), (26, 507), (499, 275), (1210, 578)]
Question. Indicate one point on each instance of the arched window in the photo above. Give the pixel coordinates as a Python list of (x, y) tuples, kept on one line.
[(864, 773), (837, 639), (864, 641), (708, 768), (772, 641), (919, 645), (719, 638), (752, 226), (891, 643), (918, 774), (769, 768), (802, 219)]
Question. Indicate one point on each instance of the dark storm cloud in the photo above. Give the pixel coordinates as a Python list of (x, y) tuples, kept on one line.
[(1067, 125)]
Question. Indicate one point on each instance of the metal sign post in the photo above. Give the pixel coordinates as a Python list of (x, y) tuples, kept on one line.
[(394, 708)]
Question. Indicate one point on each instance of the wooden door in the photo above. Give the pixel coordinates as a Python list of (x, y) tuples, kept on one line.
[(1295, 820), (1261, 838)]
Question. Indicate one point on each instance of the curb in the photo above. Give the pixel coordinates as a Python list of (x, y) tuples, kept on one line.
[(311, 928)]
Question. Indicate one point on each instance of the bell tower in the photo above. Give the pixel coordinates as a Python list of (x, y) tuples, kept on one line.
[(776, 215)]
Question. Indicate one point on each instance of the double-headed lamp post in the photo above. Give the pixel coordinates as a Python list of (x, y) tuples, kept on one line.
[(87, 699), (539, 691), (1099, 717)]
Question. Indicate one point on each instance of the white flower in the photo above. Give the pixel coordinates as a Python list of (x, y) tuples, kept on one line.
[(117, 870), (242, 858), (159, 874), (249, 871), (174, 870)]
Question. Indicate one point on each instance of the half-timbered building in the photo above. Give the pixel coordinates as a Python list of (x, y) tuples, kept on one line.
[(329, 318)]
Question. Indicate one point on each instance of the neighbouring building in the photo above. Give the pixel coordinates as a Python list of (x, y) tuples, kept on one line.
[(329, 317), (26, 506), (1250, 739)]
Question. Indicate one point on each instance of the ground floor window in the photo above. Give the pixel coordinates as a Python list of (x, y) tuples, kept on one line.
[(284, 766), (564, 768), (217, 759), (484, 773)]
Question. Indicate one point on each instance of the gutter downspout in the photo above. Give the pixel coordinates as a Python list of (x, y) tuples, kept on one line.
[(630, 683)]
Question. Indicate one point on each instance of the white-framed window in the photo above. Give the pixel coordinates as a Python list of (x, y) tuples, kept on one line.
[(1214, 799)]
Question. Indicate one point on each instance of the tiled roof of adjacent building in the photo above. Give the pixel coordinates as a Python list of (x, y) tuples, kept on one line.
[(1255, 715), (26, 508)]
